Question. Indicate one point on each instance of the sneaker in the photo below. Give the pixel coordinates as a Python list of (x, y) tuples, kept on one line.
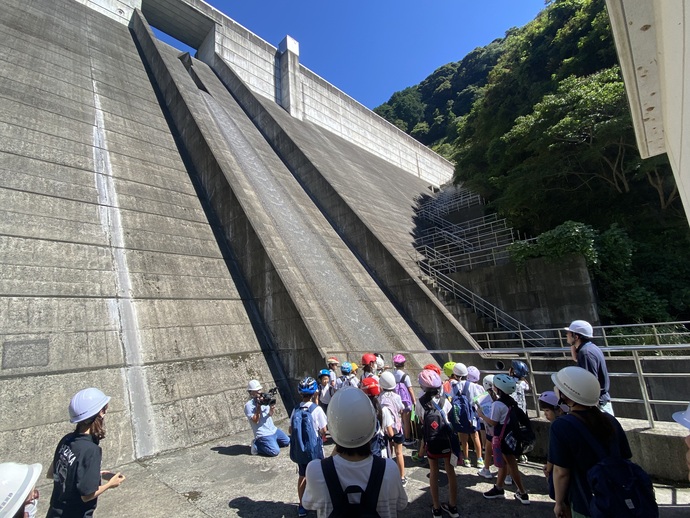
[(495, 492), (486, 473), (523, 458), (523, 498), (436, 512), (509, 480), (467, 463), (301, 512), (451, 510), (410, 443), (417, 458), (480, 462), (404, 481), (253, 447)]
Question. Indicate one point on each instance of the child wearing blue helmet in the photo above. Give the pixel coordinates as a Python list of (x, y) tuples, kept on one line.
[(326, 390), (307, 431)]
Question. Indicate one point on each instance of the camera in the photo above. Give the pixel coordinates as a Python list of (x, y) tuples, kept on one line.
[(268, 398)]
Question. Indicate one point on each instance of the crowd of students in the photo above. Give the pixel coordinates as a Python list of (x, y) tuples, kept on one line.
[(370, 417)]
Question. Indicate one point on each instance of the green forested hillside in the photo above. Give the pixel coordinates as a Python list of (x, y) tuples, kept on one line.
[(538, 124)]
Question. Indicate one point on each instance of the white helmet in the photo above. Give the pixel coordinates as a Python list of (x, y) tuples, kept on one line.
[(578, 384), (581, 327), (683, 417), (253, 385), (488, 381), (16, 482), (460, 370), (86, 403), (351, 418), (387, 380)]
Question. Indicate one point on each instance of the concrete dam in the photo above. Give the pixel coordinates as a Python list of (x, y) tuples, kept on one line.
[(174, 225)]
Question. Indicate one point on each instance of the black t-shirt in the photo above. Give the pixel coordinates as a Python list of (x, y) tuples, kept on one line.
[(77, 473)]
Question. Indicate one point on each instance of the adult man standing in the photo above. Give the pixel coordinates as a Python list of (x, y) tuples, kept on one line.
[(589, 357), (267, 438)]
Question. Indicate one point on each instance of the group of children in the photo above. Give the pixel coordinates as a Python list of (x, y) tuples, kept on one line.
[(476, 414)]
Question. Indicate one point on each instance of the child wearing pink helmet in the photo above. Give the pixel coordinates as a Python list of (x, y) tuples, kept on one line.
[(403, 387)]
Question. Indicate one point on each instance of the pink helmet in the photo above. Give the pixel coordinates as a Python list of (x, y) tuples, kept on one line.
[(429, 379), (398, 358)]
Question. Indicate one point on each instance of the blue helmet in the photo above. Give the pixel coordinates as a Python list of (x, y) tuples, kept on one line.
[(324, 372), (346, 368), (520, 369), (307, 386)]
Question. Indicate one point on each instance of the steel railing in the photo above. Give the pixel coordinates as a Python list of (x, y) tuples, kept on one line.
[(557, 354)]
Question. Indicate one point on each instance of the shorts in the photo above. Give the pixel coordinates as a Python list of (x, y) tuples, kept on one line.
[(398, 438), (302, 469), (499, 462)]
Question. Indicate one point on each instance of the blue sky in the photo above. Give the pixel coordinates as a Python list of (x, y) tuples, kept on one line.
[(371, 49)]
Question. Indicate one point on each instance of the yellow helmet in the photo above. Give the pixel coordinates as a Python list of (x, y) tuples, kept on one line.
[(448, 368), (354, 366)]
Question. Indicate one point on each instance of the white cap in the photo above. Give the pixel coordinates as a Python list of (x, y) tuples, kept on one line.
[(581, 327), (683, 418), (16, 482), (253, 385)]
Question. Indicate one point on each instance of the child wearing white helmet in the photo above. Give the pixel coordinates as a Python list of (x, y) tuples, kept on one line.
[(486, 431), (465, 388), (403, 387), (392, 408), (352, 423), (18, 491), (76, 466), (504, 386)]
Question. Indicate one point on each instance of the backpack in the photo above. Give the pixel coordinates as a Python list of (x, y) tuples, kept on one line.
[(463, 417), (388, 402), (618, 486), (347, 381), (436, 429), (342, 508), (305, 441), (378, 442), (402, 391), (517, 436)]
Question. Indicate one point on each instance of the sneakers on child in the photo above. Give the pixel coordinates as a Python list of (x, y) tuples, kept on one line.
[(495, 492), (485, 473), (480, 462), (417, 458), (409, 443), (301, 512), (403, 480), (436, 512), (523, 498), (509, 480), (255, 451), (451, 510), (523, 458), (467, 463)]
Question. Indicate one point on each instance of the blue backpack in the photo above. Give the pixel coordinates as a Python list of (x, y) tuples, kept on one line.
[(618, 486), (463, 417), (305, 442)]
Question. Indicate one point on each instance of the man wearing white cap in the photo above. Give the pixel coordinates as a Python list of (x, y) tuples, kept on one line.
[(267, 438), (684, 419), (589, 357), (17, 488)]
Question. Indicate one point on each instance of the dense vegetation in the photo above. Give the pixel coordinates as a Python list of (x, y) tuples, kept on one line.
[(538, 123)]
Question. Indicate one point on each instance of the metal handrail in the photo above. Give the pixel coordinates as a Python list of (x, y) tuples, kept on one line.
[(481, 306), (558, 353)]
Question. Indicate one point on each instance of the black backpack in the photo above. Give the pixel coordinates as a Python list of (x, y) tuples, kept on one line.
[(437, 431), (618, 486), (342, 508), (517, 437)]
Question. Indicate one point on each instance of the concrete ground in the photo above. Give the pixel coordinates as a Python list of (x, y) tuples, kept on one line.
[(221, 478)]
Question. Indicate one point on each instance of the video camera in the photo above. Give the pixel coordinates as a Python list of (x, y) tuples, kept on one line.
[(268, 398)]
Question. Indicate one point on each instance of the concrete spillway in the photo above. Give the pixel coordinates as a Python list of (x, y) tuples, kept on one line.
[(167, 233)]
